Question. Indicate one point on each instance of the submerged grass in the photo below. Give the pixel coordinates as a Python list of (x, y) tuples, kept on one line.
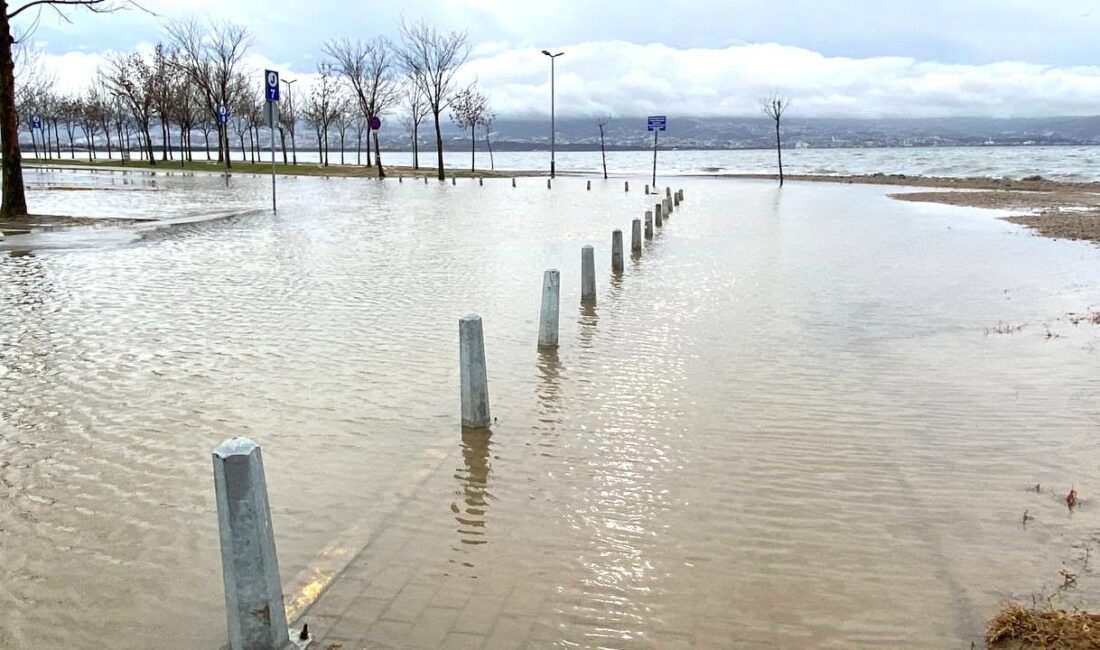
[(1024, 628)]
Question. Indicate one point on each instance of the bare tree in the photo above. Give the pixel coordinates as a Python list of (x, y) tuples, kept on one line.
[(603, 151), (415, 111), (468, 109), (211, 57), (68, 114), (133, 79), (431, 58), (14, 202), (361, 124), (487, 123), (320, 108), (288, 121), (774, 107), (368, 68), (91, 117), (343, 121)]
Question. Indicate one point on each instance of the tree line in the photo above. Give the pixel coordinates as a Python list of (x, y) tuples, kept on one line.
[(139, 99)]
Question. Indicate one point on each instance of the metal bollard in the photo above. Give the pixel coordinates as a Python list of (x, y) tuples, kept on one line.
[(254, 604), (548, 319), (471, 361)]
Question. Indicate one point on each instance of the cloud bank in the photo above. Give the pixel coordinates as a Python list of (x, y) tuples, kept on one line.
[(620, 78)]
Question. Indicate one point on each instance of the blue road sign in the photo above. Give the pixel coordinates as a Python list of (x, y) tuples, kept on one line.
[(36, 122), (223, 115), (271, 84), (657, 123)]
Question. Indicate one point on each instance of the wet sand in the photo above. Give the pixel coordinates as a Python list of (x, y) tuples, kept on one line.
[(1056, 209)]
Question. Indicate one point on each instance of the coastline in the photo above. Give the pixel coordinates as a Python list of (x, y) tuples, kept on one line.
[(1055, 209)]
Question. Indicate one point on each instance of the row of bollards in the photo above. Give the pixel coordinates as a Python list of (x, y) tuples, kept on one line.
[(254, 600)]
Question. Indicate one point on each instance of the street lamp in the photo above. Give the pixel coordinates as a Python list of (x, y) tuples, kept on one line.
[(552, 134), (290, 104)]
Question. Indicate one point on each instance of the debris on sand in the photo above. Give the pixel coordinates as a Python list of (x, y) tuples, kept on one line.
[(1026, 628)]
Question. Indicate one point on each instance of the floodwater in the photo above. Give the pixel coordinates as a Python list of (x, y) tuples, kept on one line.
[(1062, 162), (791, 422)]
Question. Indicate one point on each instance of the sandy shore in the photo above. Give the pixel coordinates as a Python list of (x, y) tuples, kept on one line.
[(1061, 210)]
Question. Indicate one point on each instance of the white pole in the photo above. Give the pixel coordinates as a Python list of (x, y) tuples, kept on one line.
[(548, 319)]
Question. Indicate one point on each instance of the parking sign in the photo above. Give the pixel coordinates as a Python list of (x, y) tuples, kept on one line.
[(271, 83), (36, 122), (223, 115)]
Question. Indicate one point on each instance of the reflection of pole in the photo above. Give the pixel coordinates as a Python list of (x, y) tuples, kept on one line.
[(272, 106), (655, 132)]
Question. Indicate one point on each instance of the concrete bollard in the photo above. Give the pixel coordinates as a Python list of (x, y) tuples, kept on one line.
[(668, 208), (481, 181), (471, 361), (647, 189), (657, 215), (548, 184), (425, 180), (548, 319), (676, 200), (589, 187), (649, 224), (513, 182), (617, 251), (668, 192), (588, 275), (250, 567), (454, 181), (626, 186), (400, 179), (636, 237)]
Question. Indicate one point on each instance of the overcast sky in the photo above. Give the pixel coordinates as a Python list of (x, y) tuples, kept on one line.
[(860, 58)]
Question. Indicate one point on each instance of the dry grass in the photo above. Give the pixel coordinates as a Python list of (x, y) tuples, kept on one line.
[(1025, 628)]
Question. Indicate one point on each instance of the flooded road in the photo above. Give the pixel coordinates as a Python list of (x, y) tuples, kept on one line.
[(792, 422)]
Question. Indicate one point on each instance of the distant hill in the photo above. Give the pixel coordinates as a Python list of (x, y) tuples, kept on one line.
[(752, 133)]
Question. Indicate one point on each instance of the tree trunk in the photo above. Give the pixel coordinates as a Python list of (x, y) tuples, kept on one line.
[(163, 141), (603, 154), (11, 164), (293, 149), (779, 153), (416, 148), (34, 144), (282, 141), (359, 147), (378, 157), (473, 147), (107, 133), (489, 146), (72, 148), (341, 147), (206, 139), (439, 148), (149, 145), (57, 139)]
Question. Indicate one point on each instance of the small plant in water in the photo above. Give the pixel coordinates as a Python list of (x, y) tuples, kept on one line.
[(1005, 328), (1071, 498)]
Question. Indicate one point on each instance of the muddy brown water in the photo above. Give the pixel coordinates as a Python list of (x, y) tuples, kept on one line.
[(788, 423)]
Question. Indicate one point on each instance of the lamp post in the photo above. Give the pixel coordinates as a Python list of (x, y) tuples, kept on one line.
[(552, 130), (290, 103)]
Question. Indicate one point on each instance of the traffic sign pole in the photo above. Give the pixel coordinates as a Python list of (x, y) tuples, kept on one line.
[(271, 83), (656, 123), (655, 132)]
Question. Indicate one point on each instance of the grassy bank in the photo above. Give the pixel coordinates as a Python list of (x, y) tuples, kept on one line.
[(301, 169)]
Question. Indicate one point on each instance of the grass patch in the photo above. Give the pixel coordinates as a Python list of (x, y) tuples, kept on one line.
[(1025, 628), (301, 169)]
